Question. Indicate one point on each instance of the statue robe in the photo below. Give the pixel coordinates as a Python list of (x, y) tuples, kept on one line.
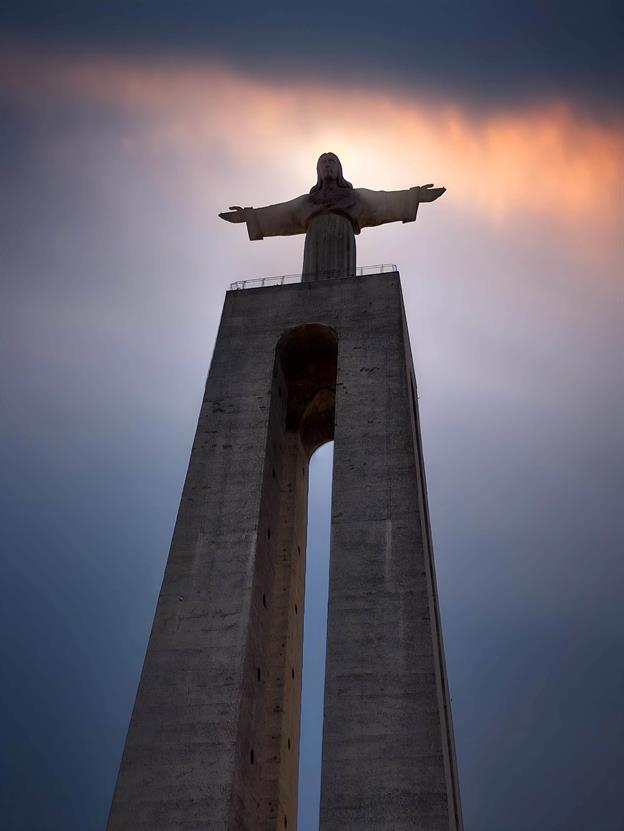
[(364, 208)]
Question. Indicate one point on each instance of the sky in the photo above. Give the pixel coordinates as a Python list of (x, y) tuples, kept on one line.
[(125, 127)]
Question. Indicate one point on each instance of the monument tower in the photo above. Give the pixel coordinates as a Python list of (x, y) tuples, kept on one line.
[(213, 742)]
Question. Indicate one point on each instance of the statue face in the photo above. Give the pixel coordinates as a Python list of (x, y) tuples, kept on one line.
[(328, 167)]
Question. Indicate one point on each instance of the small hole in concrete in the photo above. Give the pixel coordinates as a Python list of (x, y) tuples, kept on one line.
[(296, 609), (289, 744), (279, 391), (292, 673), (258, 673), (274, 473), (299, 550), (264, 600), (251, 756), (268, 533), (285, 822)]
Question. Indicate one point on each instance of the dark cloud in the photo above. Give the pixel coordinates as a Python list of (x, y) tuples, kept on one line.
[(485, 50)]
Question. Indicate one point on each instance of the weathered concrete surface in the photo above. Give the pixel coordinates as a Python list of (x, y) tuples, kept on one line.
[(388, 758), (213, 740)]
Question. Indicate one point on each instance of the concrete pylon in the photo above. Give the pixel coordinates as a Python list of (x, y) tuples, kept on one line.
[(214, 736)]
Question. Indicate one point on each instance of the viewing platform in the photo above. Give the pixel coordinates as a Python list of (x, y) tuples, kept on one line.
[(284, 279)]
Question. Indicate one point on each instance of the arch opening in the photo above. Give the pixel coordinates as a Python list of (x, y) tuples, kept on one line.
[(308, 356), (314, 638)]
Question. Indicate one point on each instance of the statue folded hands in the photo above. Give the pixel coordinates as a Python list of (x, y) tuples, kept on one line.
[(330, 215)]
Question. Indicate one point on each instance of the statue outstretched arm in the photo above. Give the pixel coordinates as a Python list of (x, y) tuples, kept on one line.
[(380, 206), (282, 219)]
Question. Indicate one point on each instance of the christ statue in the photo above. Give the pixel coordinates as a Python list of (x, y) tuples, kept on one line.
[(329, 215)]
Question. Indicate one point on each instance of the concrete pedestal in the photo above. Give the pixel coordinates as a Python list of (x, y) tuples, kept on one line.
[(214, 736)]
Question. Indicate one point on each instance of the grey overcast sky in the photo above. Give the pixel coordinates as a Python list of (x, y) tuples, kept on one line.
[(125, 127)]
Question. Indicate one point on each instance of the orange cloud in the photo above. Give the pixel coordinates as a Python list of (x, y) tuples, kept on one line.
[(545, 160)]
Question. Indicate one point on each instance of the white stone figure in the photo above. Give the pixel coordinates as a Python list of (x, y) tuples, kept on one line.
[(330, 215)]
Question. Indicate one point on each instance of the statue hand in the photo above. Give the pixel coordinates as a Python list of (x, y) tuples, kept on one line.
[(427, 193), (235, 214)]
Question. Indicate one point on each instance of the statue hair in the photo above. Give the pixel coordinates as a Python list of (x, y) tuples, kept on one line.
[(341, 182)]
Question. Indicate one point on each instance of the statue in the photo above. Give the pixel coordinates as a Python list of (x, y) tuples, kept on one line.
[(330, 215)]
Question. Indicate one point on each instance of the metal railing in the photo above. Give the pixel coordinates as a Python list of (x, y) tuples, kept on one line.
[(284, 279)]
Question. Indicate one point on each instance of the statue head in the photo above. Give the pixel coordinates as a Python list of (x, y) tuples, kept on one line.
[(329, 169)]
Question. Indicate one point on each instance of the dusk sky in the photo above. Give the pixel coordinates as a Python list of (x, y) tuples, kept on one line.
[(125, 127)]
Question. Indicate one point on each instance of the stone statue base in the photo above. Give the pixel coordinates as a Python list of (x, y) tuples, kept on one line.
[(214, 739), (329, 250)]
